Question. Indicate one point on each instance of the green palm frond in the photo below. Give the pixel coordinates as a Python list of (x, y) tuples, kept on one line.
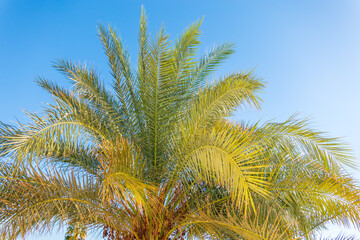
[(125, 84), (86, 83), (208, 63), (155, 94)]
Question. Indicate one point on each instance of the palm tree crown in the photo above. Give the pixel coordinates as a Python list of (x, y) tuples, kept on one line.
[(155, 156)]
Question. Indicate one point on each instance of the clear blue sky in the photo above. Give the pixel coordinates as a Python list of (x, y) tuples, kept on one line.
[(307, 51)]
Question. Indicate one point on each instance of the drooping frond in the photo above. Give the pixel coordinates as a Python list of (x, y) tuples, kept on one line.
[(43, 138), (333, 199), (34, 201), (226, 155), (121, 170), (321, 150)]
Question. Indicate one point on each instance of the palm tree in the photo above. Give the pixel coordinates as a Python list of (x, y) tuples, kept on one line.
[(155, 156)]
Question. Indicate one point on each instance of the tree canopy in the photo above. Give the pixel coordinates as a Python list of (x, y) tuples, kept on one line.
[(155, 156)]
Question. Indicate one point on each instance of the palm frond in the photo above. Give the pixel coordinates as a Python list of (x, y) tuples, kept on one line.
[(86, 83), (121, 170), (34, 201), (327, 152), (226, 224), (220, 99), (156, 94), (125, 84), (226, 155), (208, 63)]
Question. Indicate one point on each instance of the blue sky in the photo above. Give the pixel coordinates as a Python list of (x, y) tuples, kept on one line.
[(308, 52)]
